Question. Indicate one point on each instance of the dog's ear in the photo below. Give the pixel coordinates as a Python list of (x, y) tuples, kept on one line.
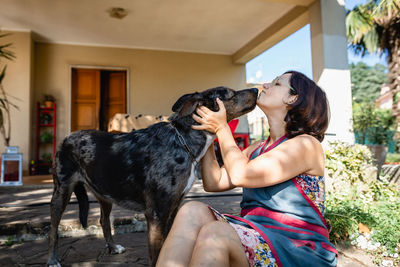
[(187, 104)]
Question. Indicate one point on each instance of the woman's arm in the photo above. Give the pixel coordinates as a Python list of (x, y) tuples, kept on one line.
[(215, 179), (301, 154)]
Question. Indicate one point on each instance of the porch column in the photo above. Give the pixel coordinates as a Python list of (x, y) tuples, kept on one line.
[(330, 64)]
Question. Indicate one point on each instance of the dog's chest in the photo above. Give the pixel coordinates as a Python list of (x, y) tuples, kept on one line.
[(192, 176)]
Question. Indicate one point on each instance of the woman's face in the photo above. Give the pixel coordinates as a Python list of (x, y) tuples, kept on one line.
[(276, 95)]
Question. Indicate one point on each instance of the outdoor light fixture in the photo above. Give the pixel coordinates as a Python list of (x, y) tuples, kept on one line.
[(117, 12), (11, 166)]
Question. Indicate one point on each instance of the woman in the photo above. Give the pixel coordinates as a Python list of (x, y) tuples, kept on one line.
[(282, 221)]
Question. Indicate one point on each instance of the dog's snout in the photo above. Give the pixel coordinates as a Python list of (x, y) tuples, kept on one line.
[(255, 90)]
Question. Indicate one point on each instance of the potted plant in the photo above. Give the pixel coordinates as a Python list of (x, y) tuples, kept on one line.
[(46, 118), (46, 157), (5, 104), (11, 153), (46, 137), (48, 101)]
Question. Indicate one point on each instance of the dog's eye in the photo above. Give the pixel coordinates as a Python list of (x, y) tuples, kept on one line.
[(230, 95)]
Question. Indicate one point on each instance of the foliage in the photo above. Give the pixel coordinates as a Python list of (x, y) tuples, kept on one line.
[(357, 197), (366, 81), (46, 118), (11, 240), (374, 125), (49, 98), (46, 157), (46, 137), (393, 157), (374, 27), (347, 161), (5, 104), (368, 26)]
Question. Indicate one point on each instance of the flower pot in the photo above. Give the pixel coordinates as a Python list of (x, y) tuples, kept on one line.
[(48, 104), (378, 155)]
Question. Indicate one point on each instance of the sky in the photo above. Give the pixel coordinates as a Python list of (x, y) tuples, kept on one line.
[(294, 53)]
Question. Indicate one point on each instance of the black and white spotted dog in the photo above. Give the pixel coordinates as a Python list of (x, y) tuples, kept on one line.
[(148, 170)]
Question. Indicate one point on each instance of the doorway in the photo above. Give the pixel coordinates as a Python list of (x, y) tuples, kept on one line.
[(96, 96)]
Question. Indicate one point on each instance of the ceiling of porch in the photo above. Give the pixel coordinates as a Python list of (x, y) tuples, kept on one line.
[(241, 28)]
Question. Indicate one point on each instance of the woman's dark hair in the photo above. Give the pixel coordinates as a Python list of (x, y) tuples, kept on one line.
[(309, 114)]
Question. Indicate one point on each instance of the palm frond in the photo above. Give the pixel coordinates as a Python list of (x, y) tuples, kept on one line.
[(4, 52), (357, 25), (371, 40), (3, 73), (11, 104), (3, 104), (1, 117), (4, 35), (387, 7), (363, 32)]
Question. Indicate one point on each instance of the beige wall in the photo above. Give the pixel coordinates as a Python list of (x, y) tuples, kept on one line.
[(18, 84), (156, 78)]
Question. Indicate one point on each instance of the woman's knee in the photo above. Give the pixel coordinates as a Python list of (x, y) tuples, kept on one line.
[(195, 212), (217, 232), (220, 238), (195, 209)]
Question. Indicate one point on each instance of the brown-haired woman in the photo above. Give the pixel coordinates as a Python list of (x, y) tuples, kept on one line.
[(282, 221)]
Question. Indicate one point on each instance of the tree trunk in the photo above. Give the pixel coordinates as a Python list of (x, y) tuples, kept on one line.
[(394, 67)]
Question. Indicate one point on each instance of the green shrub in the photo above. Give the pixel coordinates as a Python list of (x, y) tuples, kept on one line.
[(348, 162), (357, 197), (393, 157)]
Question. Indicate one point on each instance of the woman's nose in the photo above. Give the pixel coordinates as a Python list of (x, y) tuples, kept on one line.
[(266, 85)]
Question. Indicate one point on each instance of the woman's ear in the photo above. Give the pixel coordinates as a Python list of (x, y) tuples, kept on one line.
[(291, 99)]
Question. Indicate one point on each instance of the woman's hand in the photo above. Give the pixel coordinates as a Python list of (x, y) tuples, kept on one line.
[(209, 120)]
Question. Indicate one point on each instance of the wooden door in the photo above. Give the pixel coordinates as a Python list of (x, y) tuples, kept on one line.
[(113, 95), (85, 102)]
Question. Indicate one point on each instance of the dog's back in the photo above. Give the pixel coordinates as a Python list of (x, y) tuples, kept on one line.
[(122, 167)]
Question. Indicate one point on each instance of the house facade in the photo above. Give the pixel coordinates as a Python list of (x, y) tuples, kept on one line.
[(172, 54)]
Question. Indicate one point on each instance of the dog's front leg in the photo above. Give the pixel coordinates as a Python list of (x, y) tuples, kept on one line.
[(156, 236)]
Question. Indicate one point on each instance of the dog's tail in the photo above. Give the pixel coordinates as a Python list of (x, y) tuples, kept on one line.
[(83, 202)]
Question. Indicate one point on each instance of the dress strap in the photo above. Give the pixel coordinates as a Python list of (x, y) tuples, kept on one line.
[(277, 142)]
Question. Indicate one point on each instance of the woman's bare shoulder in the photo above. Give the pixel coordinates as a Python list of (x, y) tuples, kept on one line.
[(307, 140), (312, 150), (251, 148)]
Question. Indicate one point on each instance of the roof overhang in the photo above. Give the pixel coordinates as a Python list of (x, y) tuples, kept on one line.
[(240, 28)]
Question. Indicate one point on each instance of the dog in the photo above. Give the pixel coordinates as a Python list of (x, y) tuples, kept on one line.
[(148, 170)]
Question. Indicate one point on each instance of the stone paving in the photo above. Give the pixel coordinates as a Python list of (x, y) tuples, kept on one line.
[(24, 223)]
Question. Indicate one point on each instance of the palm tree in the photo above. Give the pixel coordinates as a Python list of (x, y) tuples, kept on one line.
[(4, 102), (375, 27)]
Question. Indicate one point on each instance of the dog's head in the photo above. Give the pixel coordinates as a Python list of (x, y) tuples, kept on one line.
[(236, 103)]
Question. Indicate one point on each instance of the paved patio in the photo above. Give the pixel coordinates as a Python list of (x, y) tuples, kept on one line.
[(24, 223)]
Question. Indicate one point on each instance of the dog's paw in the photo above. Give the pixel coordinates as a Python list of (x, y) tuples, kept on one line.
[(53, 264), (116, 249)]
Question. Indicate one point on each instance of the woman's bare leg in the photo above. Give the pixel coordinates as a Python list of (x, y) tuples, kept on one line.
[(178, 247), (218, 245)]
